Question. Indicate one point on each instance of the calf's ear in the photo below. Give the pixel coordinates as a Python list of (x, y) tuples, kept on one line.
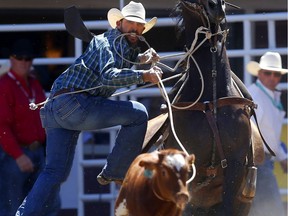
[(149, 162)]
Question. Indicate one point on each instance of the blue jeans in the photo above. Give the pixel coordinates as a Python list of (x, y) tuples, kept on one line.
[(64, 118), (15, 184)]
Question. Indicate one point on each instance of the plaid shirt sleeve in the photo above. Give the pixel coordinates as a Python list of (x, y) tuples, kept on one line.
[(100, 65)]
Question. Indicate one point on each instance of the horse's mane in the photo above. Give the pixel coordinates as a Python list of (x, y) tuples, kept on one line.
[(176, 14)]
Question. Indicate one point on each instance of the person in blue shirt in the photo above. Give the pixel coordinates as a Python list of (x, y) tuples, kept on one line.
[(79, 100), (270, 117)]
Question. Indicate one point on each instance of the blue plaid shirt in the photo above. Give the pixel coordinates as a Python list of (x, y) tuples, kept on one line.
[(101, 65)]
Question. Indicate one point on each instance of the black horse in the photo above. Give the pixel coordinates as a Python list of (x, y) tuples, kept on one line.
[(211, 116)]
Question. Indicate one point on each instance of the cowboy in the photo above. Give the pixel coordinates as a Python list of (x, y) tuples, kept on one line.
[(104, 67), (270, 115)]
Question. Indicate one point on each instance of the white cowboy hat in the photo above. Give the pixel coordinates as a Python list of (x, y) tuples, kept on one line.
[(269, 61), (133, 12), (4, 67)]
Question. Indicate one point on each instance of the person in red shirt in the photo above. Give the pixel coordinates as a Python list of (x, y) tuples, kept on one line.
[(22, 138)]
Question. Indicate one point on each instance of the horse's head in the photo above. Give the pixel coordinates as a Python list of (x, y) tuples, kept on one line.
[(215, 9), (210, 11), (193, 14)]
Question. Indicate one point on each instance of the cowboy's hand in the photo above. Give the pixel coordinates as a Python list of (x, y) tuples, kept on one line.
[(152, 75), (148, 56), (24, 163)]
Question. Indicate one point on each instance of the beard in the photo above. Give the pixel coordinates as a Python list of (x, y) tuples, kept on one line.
[(132, 40)]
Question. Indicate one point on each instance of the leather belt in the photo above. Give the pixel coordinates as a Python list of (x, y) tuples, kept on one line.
[(67, 90)]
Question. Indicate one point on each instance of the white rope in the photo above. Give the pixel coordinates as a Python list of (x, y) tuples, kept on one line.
[(208, 35), (189, 53), (163, 90), (145, 86), (34, 106), (141, 38)]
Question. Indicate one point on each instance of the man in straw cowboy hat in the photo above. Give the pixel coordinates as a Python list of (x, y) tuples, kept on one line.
[(270, 115), (104, 67)]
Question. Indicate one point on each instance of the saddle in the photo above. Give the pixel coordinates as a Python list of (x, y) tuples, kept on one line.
[(155, 133)]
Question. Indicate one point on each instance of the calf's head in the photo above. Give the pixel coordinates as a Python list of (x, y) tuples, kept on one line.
[(168, 170)]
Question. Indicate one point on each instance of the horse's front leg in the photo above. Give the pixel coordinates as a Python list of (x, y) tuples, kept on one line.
[(234, 175)]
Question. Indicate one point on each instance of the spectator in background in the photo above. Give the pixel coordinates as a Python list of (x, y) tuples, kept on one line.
[(22, 138), (270, 116)]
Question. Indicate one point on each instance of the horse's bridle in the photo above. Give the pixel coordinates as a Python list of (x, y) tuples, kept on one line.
[(210, 108), (197, 8)]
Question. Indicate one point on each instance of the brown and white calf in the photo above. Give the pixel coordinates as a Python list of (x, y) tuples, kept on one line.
[(155, 184)]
